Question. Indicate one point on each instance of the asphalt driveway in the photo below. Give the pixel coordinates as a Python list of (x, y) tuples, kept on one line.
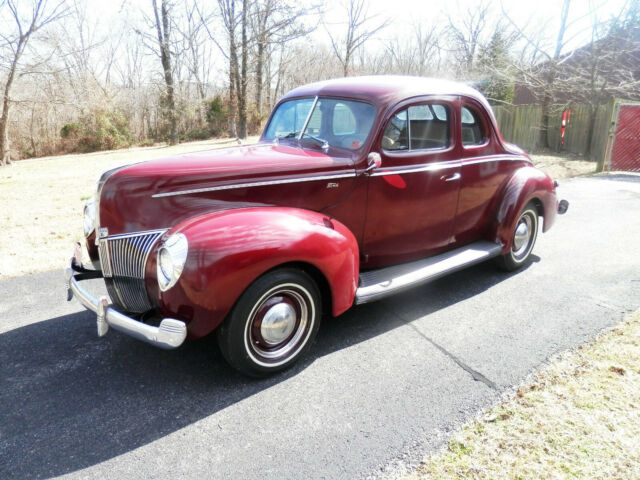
[(383, 385)]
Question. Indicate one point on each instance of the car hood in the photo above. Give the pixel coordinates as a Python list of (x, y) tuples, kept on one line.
[(218, 167), (194, 183)]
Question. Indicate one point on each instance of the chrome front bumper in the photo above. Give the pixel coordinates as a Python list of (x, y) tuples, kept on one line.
[(169, 334)]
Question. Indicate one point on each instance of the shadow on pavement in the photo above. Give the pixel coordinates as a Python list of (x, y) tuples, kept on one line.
[(69, 400)]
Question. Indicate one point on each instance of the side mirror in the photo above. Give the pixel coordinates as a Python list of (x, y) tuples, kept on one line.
[(373, 161)]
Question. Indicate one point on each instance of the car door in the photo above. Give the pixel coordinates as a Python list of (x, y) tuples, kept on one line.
[(484, 168), (412, 196)]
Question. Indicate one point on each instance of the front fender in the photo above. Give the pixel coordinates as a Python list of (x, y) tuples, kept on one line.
[(230, 249), (525, 185)]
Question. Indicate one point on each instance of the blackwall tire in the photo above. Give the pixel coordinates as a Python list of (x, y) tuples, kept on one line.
[(273, 323), (523, 240)]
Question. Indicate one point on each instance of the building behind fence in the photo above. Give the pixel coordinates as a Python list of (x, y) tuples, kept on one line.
[(520, 124)]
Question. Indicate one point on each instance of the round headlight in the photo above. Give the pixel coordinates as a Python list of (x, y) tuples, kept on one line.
[(166, 263), (171, 258), (89, 220)]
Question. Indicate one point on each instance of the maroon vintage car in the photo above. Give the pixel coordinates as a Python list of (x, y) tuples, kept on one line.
[(358, 188)]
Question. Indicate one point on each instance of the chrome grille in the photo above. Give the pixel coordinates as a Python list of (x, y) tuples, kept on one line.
[(123, 259)]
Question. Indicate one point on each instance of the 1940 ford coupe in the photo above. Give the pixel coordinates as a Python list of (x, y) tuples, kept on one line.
[(359, 188)]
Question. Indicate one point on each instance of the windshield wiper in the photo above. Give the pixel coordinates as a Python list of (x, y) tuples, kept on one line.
[(288, 135), (322, 143)]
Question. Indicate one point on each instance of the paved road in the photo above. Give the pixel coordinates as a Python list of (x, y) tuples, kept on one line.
[(384, 384)]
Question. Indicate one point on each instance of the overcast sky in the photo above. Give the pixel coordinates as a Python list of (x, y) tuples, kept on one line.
[(537, 14), (538, 17)]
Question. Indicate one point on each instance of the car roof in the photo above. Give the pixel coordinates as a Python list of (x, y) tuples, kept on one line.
[(386, 89)]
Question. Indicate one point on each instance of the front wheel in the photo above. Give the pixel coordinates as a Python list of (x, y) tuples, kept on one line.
[(523, 240), (273, 323)]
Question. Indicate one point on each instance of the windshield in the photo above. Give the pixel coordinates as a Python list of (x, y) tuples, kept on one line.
[(325, 121)]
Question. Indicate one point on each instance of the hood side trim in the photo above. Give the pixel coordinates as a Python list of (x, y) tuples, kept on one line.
[(255, 184)]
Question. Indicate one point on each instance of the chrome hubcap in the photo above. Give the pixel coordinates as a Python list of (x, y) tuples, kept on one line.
[(522, 235), (278, 323)]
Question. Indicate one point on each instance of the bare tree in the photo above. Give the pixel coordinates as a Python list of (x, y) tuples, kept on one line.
[(546, 76), (420, 54), (227, 14), (42, 13), (359, 29), (604, 68), (466, 35), (196, 53), (243, 79), (275, 22), (163, 30)]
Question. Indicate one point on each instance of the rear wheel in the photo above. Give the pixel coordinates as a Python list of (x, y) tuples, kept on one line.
[(273, 323), (523, 240)]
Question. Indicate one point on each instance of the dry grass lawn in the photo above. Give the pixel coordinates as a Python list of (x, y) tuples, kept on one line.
[(579, 418), (42, 200), (563, 167)]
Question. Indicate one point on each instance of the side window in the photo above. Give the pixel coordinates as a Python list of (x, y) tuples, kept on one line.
[(428, 126), (420, 127), (396, 136), (472, 131)]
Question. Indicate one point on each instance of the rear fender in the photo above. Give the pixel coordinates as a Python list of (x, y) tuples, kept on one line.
[(228, 250), (525, 185)]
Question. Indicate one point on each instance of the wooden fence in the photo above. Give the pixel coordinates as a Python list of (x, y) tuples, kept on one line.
[(520, 124)]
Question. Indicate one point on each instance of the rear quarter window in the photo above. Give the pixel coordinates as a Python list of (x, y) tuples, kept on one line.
[(473, 132)]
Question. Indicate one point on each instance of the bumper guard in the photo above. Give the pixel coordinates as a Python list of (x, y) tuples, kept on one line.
[(170, 334)]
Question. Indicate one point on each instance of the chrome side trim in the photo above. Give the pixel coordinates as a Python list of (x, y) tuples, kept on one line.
[(492, 158), (170, 334), (423, 167), (426, 167), (377, 284), (416, 168), (255, 184)]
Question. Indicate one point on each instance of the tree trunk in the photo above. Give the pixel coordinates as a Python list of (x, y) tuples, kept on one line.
[(32, 139), (242, 87), (233, 69), (232, 99), (593, 111), (269, 77), (5, 157), (551, 77), (259, 74), (5, 151), (165, 58)]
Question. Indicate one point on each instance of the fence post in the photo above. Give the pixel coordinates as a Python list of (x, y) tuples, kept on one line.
[(604, 162)]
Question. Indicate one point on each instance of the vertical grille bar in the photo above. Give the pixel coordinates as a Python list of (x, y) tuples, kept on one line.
[(123, 259)]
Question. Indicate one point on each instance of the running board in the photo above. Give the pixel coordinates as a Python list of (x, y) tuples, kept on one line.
[(377, 284)]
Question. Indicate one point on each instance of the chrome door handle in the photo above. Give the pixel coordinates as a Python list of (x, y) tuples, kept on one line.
[(452, 178)]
